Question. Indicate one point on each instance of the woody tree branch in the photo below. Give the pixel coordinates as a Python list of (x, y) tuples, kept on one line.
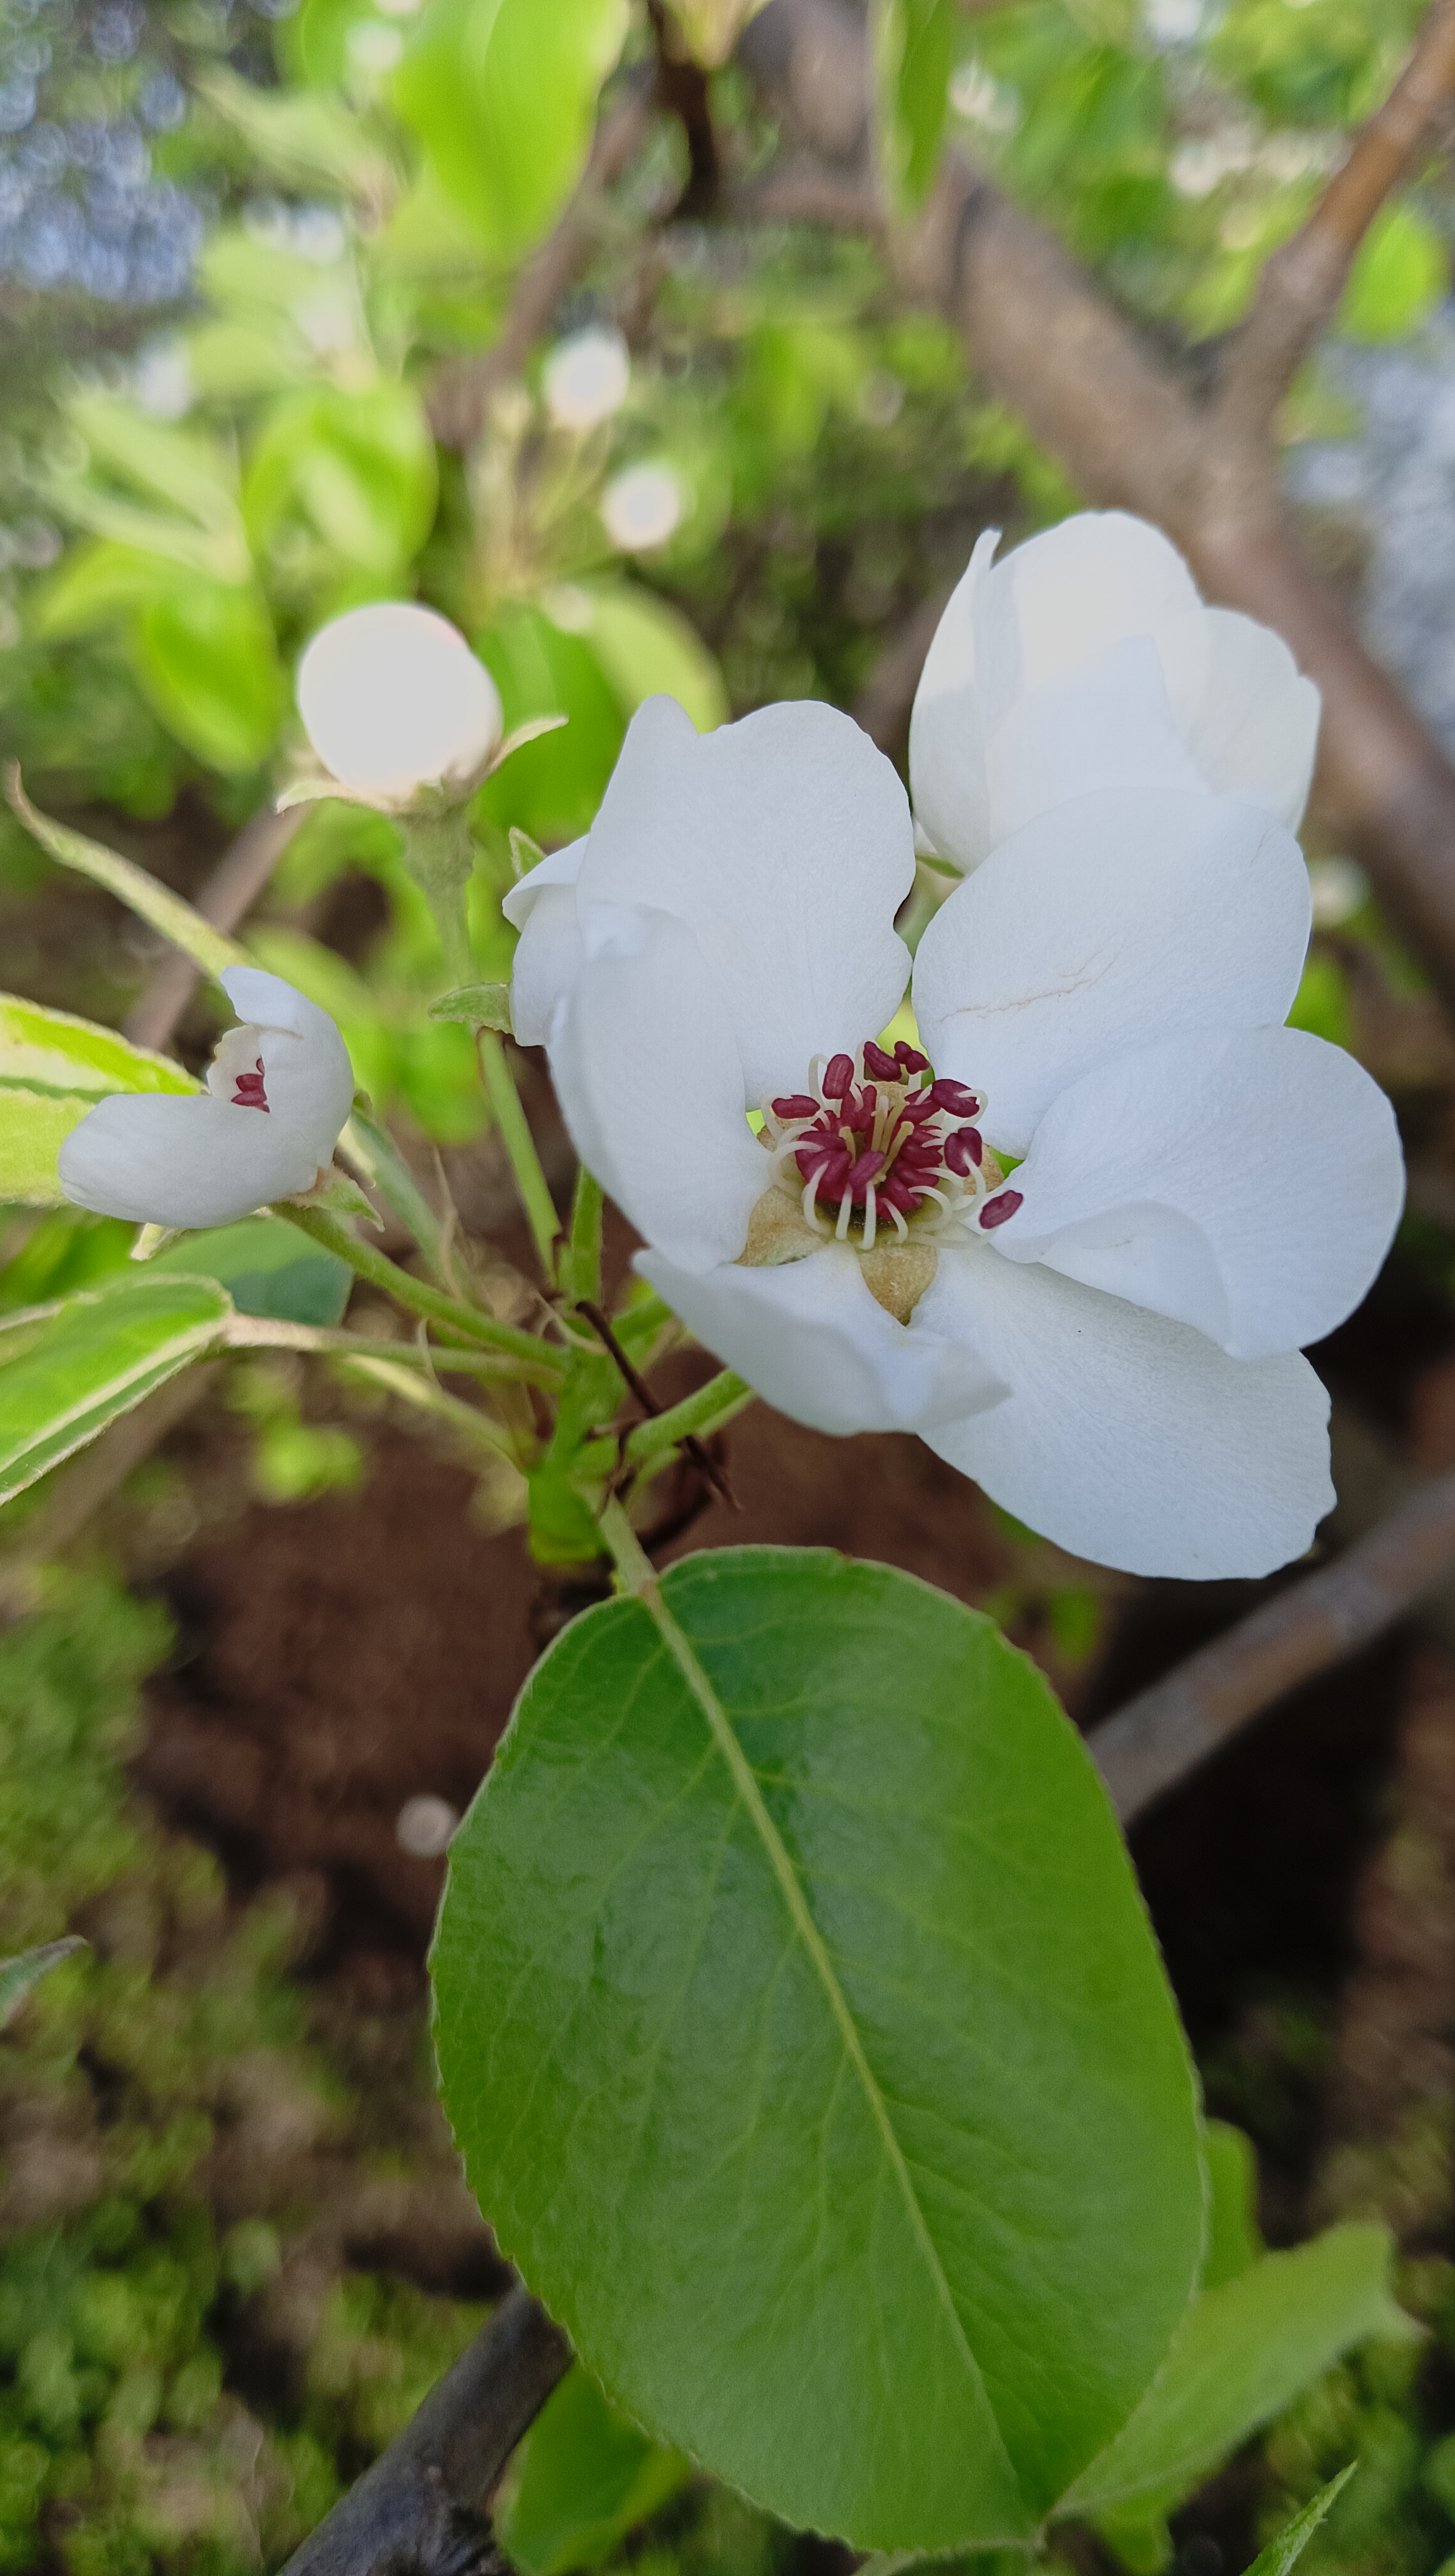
[(1131, 434), (1299, 290)]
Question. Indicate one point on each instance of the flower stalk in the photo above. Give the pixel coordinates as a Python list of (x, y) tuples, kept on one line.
[(417, 1296), (525, 1162)]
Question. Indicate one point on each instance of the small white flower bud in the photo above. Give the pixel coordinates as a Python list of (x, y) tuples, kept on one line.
[(642, 507), (393, 699), (586, 378)]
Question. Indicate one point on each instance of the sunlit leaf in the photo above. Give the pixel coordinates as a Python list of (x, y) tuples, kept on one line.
[(94, 1359)]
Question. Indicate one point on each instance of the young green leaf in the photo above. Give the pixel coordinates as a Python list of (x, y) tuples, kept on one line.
[(145, 895), (1243, 2352), (20, 1976), (96, 1357), (1287, 2546), (585, 2477), (207, 659), (480, 1006), (797, 2007), (1234, 2244)]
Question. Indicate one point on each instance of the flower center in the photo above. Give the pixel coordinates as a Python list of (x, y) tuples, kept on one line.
[(250, 1093), (880, 1140)]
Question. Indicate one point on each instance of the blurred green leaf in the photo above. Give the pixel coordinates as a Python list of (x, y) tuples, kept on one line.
[(267, 1268), (552, 788), (33, 1127), (142, 894), (96, 583), (502, 93), (914, 52), (644, 645), (207, 658), (308, 141), (360, 466), (585, 2477), (1400, 274), (53, 1050), (1243, 2352), (1234, 2244), (93, 1360), (19, 1977)]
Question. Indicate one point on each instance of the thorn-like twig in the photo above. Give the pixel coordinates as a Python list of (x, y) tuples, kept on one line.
[(695, 1449)]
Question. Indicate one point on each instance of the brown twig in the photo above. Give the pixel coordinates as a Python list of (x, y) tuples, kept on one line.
[(460, 393), (1167, 1731), (232, 889), (417, 2511), (693, 1448), (1299, 290), (1131, 435)]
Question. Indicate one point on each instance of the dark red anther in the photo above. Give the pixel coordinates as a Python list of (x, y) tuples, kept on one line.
[(838, 1078), (996, 1210), (954, 1096), (250, 1093), (910, 1060), (867, 1169), (878, 1062), (796, 1104), (963, 1150)]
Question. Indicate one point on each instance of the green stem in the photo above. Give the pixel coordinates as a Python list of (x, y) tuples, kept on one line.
[(581, 1265), (634, 1569), (416, 1294), (497, 1368), (713, 1406), (525, 1162), (370, 1146)]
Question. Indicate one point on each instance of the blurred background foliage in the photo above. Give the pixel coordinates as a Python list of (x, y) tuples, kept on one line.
[(243, 246)]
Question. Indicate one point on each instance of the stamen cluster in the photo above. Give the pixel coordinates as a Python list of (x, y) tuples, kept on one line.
[(879, 1135), (251, 1092)]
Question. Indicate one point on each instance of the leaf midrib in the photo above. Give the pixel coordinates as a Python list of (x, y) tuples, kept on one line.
[(745, 1783)]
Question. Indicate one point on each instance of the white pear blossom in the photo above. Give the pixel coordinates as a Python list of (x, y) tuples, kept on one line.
[(642, 508), (393, 699), (1087, 660), (1107, 1337), (586, 378), (279, 1089)]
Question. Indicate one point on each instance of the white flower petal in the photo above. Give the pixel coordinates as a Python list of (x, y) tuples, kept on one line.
[(651, 1087), (784, 843), (1127, 1439), (811, 1339), (542, 907), (159, 1160), (547, 962), (558, 868), (306, 1068), (1247, 1182), (1095, 578), (946, 726), (1117, 919), (1108, 725), (1005, 720), (1257, 728)]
